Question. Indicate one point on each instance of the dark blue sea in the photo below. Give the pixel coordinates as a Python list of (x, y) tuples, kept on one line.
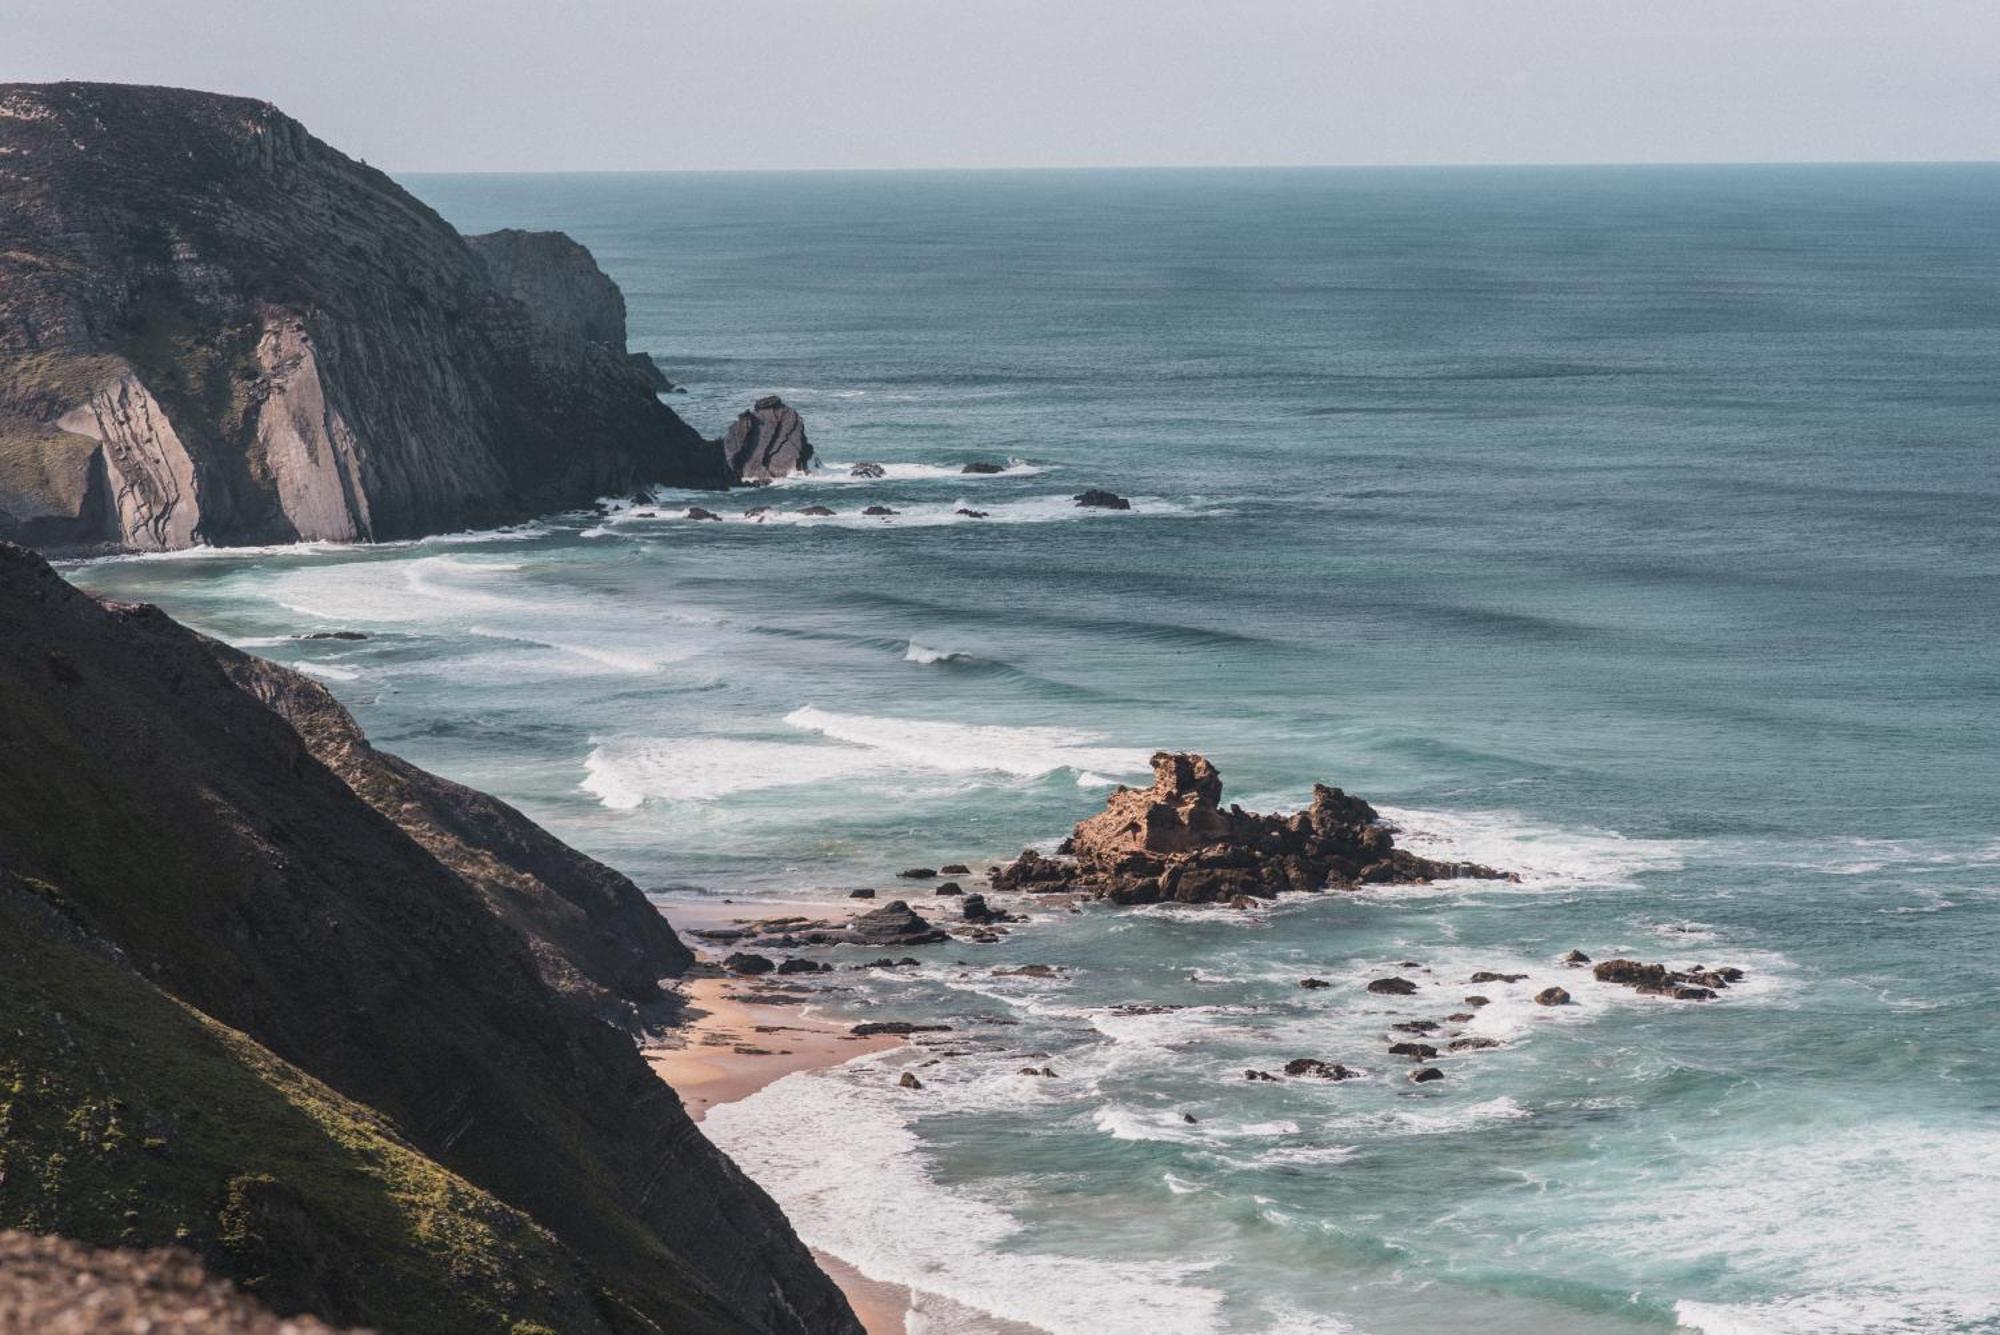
[(1631, 528)]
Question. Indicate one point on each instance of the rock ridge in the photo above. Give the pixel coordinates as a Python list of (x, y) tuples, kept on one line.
[(215, 328)]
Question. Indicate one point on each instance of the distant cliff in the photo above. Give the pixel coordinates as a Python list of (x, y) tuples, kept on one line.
[(215, 328), (332, 1023)]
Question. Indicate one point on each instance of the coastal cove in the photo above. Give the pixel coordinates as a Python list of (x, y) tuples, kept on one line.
[(1573, 518)]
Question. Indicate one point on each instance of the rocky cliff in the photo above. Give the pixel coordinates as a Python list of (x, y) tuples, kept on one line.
[(215, 328), (332, 1023)]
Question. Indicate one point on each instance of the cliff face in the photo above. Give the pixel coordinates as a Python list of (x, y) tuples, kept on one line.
[(330, 1021), (215, 328)]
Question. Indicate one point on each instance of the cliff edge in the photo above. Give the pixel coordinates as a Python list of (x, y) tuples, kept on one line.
[(214, 328), (331, 1023)]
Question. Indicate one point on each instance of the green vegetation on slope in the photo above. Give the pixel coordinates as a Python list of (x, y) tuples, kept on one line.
[(127, 1118)]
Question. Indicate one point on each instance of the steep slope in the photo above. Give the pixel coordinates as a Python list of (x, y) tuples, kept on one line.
[(184, 822), (215, 328)]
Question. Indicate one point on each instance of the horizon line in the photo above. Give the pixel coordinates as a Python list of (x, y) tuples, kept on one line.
[(1688, 163)]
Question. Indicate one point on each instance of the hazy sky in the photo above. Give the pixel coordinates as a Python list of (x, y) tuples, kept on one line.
[(615, 84)]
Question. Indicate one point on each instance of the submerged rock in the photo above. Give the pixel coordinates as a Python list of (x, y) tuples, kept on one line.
[(1099, 499), (1260, 1075), (971, 514), (1176, 842), (817, 512), (1696, 984), (878, 511), (334, 635), (868, 470), (1425, 1074), (1393, 987), (918, 873), (696, 512), (1302, 1066), (766, 442), (981, 466), (1310, 983)]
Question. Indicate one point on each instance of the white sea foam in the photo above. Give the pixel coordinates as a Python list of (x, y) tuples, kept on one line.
[(623, 773), (1884, 1227), (923, 653), (875, 1204), (839, 474), (330, 671), (1026, 752), (1547, 857)]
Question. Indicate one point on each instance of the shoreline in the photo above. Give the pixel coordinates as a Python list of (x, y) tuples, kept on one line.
[(723, 1049)]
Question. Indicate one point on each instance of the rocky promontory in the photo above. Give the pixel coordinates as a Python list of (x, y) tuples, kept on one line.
[(1175, 841), (215, 328), (333, 1024)]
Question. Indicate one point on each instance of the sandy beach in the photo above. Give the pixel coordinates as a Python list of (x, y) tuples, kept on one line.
[(727, 1048)]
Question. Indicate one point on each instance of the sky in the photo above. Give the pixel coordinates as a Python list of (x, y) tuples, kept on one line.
[(589, 85)]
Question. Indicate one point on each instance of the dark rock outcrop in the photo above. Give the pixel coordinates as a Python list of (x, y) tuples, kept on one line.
[(897, 1027), (1098, 499), (766, 442), (1552, 996), (1393, 987), (334, 1023), (216, 329), (980, 466), (1303, 1066), (1425, 1074), (894, 924), (868, 471), (1696, 984), (1175, 841)]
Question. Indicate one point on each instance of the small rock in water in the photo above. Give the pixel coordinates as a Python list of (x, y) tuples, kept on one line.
[(1190, 1119), (861, 894), (1552, 996), (748, 964), (1478, 1001), (918, 873), (696, 512), (1424, 1074), (880, 510), (1576, 958), (981, 466), (1099, 499), (868, 470), (1260, 1075), (1472, 1043), (817, 512), (910, 1081), (804, 966), (897, 1027), (1027, 971), (1393, 987), (1417, 1026), (1314, 982), (951, 888), (970, 514), (1459, 1018), (1487, 976), (1422, 1052), (955, 869), (1042, 1071), (333, 635), (758, 512), (1314, 1066)]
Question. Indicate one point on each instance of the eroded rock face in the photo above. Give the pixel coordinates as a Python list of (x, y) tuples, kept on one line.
[(767, 442), (215, 328), (1175, 841)]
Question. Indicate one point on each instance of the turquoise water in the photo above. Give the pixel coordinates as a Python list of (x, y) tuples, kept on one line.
[(1633, 528)]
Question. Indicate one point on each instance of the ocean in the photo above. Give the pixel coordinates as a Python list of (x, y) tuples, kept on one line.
[(1632, 528)]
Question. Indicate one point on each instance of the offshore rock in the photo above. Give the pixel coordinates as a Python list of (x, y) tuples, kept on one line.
[(767, 442), (868, 470), (894, 924), (1696, 984), (1176, 842), (214, 328), (1098, 499)]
